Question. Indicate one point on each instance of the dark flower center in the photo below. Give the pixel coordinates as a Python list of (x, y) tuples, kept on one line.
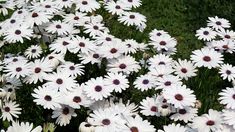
[(207, 58), (108, 39), (130, 0), (87, 125), (116, 82), (77, 99), (72, 68), (50, 57), (205, 32), (15, 60), (218, 23), (228, 72), (106, 121), (132, 16), (167, 83), (154, 109), (58, 26), (76, 18), (159, 34), (118, 7), (96, 56), (7, 109), (18, 69), (82, 44), (48, 6), (225, 46), (33, 50), (98, 88), (19, 12), (179, 97), (184, 70), (59, 81), (96, 27), (161, 63), (210, 123), (84, 2), (65, 43), (17, 32), (66, 111), (162, 43), (182, 111), (227, 36), (122, 66), (35, 15), (234, 96), (113, 50), (48, 98), (134, 129), (37, 70), (145, 81), (13, 21), (164, 106)]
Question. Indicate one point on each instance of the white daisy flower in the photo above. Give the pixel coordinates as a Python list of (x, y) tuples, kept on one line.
[(228, 117), (132, 3), (105, 38), (228, 97), (47, 6), (167, 82), (23, 127), (60, 28), (184, 69), (160, 59), (72, 69), (63, 115), (77, 19), (91, 57), (160, 71), (207, 58), (117, 8), (132, 19), (118, 81), (218, 23), (208, 122), (185, 114), (145, 82), (125, 64), (206, 34), (226, 34), (96, 89), (61, 45), (87, 5), (37, 18), (179, 96), (82, 45), (227, 71), (95, 29), (65, 3), (150, 107), (9, 110), (32, 52), (155, 34), (131, 46), (46, 97), (18, 69)]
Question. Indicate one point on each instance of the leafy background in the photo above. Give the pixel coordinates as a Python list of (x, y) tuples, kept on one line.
[(181, 18)]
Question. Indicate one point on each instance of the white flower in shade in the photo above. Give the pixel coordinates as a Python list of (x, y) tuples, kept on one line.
[(160, 59), (207, 58), (82, 45), (63, 115), (226, 34), (105, 120), (218, 23), (128, 109), (173, 128), (91, 57), (9, 110), (118, 81), (48, 6), (131, 46), (185, 114), (160, 71), (118, 7), (206, 34), (86, 127), (179, 96), (228, 117), (77, 19), (37, 18), (227, 46), (144, 82), (15, 59), (208, 122), (18, 33), (137, 124), (105, 38), (18, 69), (167, 82), (87, 5), (227, 71), (228, 97), (150, 107), (38, 70), (125, 64), (34, 51), (155, 34), (96, 89), (60, 28), (132, 19), (46, 97), (132, 3), (60, 81), (112, 50), (23, 127), (61, 45), (77, 98), (184, 69), (95, 29), (73, 69)]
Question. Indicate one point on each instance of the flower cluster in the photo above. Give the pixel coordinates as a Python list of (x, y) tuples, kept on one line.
[(74, 64)]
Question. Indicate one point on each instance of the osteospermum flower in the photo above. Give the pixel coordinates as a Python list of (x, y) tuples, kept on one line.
[(118, 7), (63, 115), (167, 82), (227, 71), (18, 69), (173, 128), (47, 97), (132, 19), (48, 6), (96, 89), (185, 114), (95, 29), (150, 107), (77, 19), (132, 3), (160, 59), (91, 57), (23, 127), (179, 96), (144, 82), (228, 97), (125, 64), (9, 110), (208, 122), (61, 45), (207, 58), (155, 34), (18, 33), (87, 5), (206, 34), (37, 18), (60, 28), (218, 23), (32, 52), (118, 81), (227, 34), (184, 69), (73, 69), (228, 117)]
